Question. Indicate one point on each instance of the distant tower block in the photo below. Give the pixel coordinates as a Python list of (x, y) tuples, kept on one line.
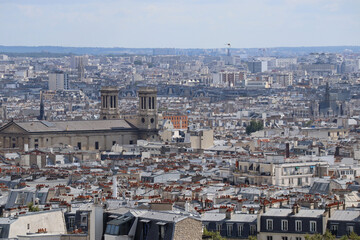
[(109, 103), (148, 118)]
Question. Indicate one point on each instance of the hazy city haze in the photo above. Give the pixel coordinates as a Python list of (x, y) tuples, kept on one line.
[(181, 24)]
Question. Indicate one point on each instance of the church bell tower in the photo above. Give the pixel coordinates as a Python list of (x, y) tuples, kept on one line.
[(148, 118), (109, 103)]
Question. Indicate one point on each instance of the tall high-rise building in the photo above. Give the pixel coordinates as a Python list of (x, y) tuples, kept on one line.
[(58, 81), (79, 63), (75, 61), (257, 66)]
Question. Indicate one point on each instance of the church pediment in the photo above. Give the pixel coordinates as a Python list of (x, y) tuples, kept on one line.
[(12, 127)]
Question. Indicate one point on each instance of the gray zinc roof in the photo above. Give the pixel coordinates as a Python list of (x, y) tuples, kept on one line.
[(94, 125), (345, 215)]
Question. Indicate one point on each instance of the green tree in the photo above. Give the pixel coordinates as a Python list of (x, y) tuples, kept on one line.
[(328, 235), (345, 237), (254, 126), (213, 235), (33, 208), (252, 238), (354, 236), (308, 123), (314, 237)]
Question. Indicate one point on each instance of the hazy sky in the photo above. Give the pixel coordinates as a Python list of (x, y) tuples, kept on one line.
[(180, 23)]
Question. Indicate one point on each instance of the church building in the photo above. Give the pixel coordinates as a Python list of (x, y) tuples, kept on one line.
[(99, 134)]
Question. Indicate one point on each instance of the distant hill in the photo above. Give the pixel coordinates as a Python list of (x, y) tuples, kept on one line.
[(43, 51)]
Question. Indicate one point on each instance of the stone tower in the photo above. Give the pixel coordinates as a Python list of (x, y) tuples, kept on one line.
[(109, 103), (42, 110), (148, 118)]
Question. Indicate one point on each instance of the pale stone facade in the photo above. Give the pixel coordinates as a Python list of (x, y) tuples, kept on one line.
[(188, 228), (87, 135)]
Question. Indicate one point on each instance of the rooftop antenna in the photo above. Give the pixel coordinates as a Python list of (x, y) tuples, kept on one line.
[(228, 49)]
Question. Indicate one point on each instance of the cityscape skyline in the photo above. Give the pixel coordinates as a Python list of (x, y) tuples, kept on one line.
[(183, 24)]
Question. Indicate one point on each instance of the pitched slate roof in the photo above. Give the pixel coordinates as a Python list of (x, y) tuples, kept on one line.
[(236, 217), (303, 213), (345, 215)]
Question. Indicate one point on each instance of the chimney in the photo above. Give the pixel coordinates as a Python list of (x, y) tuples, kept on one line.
[(312, 205), (264, 208), (287, 151), (295, 209), (337, 151), (244, 209), (69, 208), (222, 209), (328, 211), (229, 213), (239, 205)]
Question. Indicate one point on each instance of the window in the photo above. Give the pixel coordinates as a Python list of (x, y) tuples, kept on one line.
[(240, 229), (252, 229), (312, 226), (83, 220), (36, 140), (284, 225), (28, 226), (131, 142), (349, 229), (334, 229), (298, 225), (79, 145), (20, 199), (269, 224), (284, 238), (218, 227), (115, 230), (205, 225), (36, 146), (146, 227), (96, 145), (298, 238), (113, 143), (229, 228), (71, 222), (162, 232), (299, 181), (269, 238)]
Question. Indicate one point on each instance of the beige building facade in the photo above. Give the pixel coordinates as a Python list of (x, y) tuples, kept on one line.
[(86, 135)]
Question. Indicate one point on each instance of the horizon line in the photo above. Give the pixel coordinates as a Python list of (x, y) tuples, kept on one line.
[(314, 46)]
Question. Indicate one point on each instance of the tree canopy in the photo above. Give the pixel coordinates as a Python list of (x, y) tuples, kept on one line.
[(254, 126)]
